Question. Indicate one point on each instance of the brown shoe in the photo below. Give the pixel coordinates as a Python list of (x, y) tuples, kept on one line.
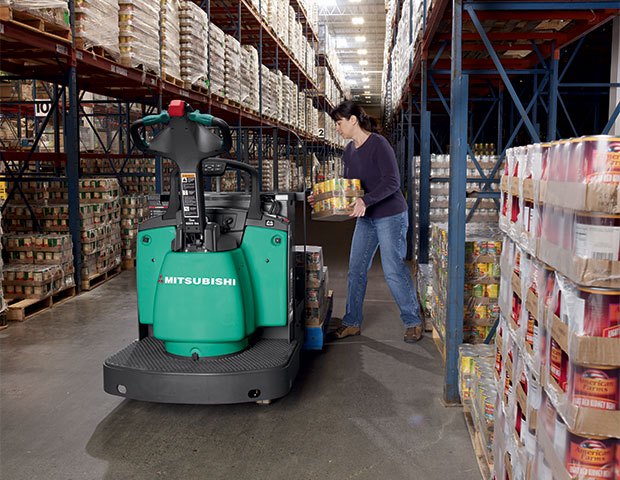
[(344, 331), (414, 334)]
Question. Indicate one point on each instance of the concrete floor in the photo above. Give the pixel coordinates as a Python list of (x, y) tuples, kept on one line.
[(364, 408)]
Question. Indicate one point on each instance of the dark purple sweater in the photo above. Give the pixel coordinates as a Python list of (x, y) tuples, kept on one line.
[(374, 163)]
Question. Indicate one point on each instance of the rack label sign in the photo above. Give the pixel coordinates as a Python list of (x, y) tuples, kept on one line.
[(321, 133), (42, 108)]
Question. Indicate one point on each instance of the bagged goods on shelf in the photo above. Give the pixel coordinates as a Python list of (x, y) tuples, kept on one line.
[(139, 34), (194, 41), (93, 27), (249, 77), (170, 38)]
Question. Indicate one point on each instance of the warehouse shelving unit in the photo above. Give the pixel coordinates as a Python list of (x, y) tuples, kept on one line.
[(29, 53), (494, 47)]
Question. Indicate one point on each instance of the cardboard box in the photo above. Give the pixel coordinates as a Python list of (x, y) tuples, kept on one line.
[(592, 197)]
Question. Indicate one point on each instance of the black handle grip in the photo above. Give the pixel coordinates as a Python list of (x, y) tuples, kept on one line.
[(226, 136)]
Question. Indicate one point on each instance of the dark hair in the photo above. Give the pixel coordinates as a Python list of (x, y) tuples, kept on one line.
[(348, 108)]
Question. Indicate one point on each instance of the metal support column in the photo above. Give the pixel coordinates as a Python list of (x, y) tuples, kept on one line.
[(425, 168), (456, 212), (72, 149), (410, 168), (552, 126)]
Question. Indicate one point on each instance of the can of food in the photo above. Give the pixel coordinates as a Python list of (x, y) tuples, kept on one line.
[(590, 458), (595, 387), (601, 312), (478, 290), (597, 236), (481, 312), (532, 330), (492, 290), (495, 270), (558, 364), (601, 155), (481, 270), (516, 309)]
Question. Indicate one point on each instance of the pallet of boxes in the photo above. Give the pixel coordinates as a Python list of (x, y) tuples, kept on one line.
[(38, 274), (319, 299), (99, 211), (558, 342)]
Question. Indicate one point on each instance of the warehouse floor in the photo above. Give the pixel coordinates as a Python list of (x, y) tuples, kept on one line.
[(364, 408)]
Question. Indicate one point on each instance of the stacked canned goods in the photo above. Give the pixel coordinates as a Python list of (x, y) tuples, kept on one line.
[(335, 196)]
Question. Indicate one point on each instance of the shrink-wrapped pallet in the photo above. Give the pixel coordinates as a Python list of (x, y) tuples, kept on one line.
[(139, 34), (170, 38), (232, 64), (194, 41), (249, 77), (217, 58), (93, 27)]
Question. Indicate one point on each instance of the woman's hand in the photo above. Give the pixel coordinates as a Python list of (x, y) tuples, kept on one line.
[(359, 208), (311, 200)]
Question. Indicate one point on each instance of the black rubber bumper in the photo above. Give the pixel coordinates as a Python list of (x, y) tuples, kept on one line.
[(144, 371)]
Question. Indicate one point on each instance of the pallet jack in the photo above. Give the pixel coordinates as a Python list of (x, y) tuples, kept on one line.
[(219, 311)]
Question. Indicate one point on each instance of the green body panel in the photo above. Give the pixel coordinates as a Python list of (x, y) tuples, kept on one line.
[(268, 278), (209, 303)]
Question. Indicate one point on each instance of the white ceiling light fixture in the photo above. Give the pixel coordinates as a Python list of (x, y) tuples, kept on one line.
[(362, 51), (360, 38), (365, 79), (363, 63), (357, 20), (366, 86), (367, 92)]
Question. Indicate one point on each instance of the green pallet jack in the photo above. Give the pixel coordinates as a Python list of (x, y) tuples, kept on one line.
[(219, 307)]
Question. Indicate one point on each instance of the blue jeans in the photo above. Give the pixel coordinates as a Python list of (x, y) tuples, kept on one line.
[(389, 234)]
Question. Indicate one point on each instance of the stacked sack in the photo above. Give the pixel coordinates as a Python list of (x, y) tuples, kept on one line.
[(170, 38), (139, 34), (249, 77), (232, 66), (39, 265), (194, 38), (92, 25), (134, 210), (217, 60)]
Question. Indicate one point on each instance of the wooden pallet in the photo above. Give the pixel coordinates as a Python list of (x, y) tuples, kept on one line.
[(174, 80), (129, 63), (439, 344), (129, 264), (25, 309), (100, 278), (34, 22), (97, 50), (484, 463)]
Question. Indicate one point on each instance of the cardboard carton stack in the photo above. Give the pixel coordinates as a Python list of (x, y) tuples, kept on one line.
[(482, 276), (134, 210), (194, 38), (141, 178), (139, 34), (559, 340)]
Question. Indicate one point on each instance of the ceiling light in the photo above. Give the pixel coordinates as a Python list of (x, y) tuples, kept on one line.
[(366, 86), (365, 79), (362, 51), (363, 62), (360, 38), (352, 81), (367, 92), (358, 20)]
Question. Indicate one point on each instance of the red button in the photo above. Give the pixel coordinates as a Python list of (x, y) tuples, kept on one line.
[(177, 108)]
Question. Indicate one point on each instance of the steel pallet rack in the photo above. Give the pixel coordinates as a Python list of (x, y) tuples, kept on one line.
[(59, 62), (495, 46)]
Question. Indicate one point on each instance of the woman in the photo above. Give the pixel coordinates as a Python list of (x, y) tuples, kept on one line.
[(382, 221)]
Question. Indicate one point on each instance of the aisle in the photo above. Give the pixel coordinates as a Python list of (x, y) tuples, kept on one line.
[(365, 408)]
